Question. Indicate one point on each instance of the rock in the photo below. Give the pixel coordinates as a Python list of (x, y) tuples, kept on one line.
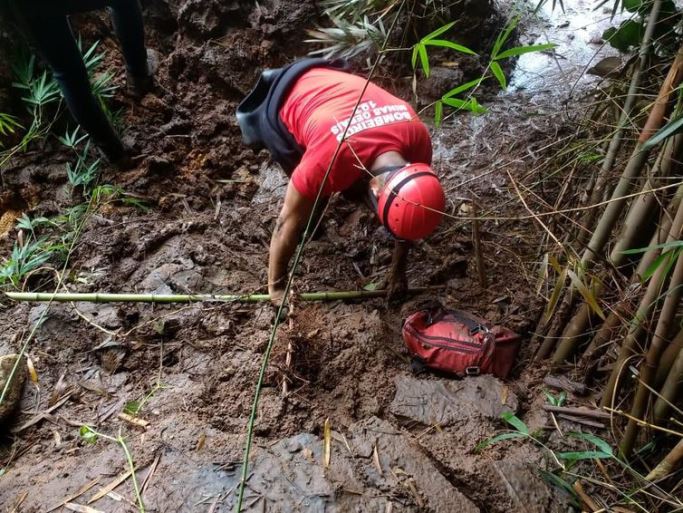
[(13, 395), (449, 402), (273, 185), (525, 488), (291, 475)]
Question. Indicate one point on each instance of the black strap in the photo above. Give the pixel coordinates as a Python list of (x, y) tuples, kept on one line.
[(392, 195)]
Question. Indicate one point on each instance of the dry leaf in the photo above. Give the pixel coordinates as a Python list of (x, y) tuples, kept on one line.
[(81, 509), (375, 460), (31, 370), (327, 443)]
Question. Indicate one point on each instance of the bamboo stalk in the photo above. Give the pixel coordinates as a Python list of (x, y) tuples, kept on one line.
[(100, 297), (668, 464), (638, 221), (649, 368), (625, 118), (670, 389), (636, 163), (600, 183), (647, 303), (668, 359)]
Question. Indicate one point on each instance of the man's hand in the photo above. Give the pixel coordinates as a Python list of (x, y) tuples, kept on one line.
[(288, 227)]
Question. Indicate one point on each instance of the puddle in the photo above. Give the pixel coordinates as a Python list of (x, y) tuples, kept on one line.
[(577, 33)]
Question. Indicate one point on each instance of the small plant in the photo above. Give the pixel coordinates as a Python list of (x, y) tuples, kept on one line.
[(556, 400), (420, 54), (8, 125), (26, 257), (90, 436), (83, 173)]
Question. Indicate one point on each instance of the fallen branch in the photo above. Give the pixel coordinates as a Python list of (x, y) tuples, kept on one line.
[(578, 412), (97, 297)]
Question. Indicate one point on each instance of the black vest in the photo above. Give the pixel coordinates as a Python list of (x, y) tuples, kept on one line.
[(259, 113)]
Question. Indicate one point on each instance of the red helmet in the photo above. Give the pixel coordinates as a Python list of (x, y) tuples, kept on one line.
[(411, 203)]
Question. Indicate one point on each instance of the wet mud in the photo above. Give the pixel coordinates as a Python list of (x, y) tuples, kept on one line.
[(400, 442)]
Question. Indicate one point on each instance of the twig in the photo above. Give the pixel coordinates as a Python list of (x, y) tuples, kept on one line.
[(579, 412), (476, 239)]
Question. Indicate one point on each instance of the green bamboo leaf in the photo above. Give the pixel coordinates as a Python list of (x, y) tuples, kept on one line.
[(498, 438), (438, 113), (424, 59), (601, 444), (464, 87), (587, 294), (676, 244), (557, 291), (413, 59), (671, 128), (654, 266), (583, 455), (521, 50), (438, 31), (504, 35), (450, 44), (472, 104), (515, 422), (499, 74)]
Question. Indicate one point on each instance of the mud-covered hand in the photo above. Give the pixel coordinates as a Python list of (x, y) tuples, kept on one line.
[(396, 282), (288, 227)]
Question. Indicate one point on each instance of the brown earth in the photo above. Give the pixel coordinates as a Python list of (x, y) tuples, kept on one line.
[(213, 203)]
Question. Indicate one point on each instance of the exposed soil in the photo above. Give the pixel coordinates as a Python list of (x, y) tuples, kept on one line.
[(213, 203)]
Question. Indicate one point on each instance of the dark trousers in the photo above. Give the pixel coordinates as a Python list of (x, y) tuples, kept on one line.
[(47, 24)]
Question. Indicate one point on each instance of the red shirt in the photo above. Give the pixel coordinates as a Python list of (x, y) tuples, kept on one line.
[(316, 113)]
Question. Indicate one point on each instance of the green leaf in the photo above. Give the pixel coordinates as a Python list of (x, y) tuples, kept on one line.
[(676, 244), (601, 444), (438, 113), (504, 35), (557, 291), (424, 59), (413, 59), (671, 128), (583, 455), (450, 44), (498, 438), (464, 87), (132, 408), (515, 422), (499, 74), (627, 35), (632, 5), (587, 294), (438, 31), (88, 434), (521, 50), (560, 484), (472, 104)]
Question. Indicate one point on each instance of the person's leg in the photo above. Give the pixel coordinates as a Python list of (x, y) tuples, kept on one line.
[(54, 40), (128, 25)]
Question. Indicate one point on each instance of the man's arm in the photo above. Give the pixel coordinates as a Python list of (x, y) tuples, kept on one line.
[(288, 228)]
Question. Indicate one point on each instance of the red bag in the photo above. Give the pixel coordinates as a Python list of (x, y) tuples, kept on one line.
[(460, 343)]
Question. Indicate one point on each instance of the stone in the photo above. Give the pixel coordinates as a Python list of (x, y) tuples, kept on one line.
[(13, 395), (449, 402)]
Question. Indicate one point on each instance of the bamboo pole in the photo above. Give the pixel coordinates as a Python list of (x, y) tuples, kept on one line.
[(647, 303), (635, 164), (668, 464), (551, 330), (100, 297), (625, 118), (670, 389), (599, 342), (638, 220), (668, 359), (648, 369)]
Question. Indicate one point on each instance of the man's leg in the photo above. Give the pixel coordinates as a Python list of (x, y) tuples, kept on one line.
[(54, 40), (128, 25)]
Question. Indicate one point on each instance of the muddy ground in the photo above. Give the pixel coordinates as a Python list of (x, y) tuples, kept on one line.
[(400, 442)]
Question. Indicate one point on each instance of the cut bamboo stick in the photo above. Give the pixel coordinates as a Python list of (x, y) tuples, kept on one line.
[(648, 302), (648, 369), (670, 389), (105, 297)]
